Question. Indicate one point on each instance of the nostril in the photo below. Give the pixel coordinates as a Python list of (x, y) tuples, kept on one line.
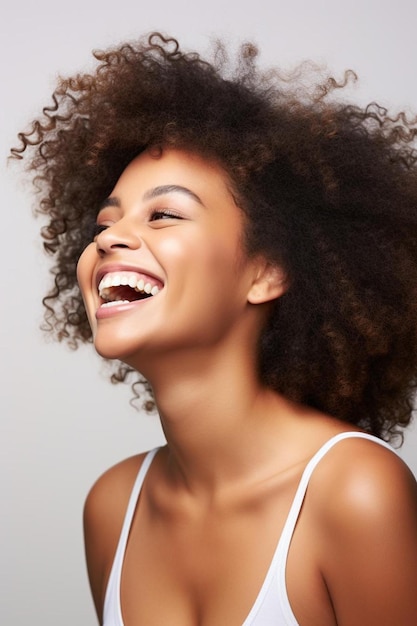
[(116, 236), (105, 246)]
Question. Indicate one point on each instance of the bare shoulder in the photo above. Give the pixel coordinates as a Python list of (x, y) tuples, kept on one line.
[(364, 499), (113, 487), (362, 479), (104, 512)]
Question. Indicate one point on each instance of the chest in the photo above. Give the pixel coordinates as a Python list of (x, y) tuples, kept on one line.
[(184, 569)]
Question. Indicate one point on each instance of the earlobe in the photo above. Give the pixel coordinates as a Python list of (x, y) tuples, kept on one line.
[(270, 283)]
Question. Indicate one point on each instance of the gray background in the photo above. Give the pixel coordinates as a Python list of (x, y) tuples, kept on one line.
[(62, 422)]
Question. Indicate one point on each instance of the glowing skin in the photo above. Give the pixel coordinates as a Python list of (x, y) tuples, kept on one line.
[(217, 495), (172, 222)]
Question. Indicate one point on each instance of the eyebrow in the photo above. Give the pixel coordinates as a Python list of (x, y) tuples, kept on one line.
[(112, 201), (165, 189), (154, 193)]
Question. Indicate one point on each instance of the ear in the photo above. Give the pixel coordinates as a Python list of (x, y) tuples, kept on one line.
[(270, 283)]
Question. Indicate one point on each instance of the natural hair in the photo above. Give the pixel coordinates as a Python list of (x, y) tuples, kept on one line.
[(329, 190)]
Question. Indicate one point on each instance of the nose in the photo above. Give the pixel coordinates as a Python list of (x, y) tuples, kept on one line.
[(118, 235)]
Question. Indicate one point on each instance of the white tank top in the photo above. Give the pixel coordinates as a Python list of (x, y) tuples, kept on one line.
[(271, 607)]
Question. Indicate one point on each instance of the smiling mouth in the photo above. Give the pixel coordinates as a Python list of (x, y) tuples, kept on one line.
[(122, 288)]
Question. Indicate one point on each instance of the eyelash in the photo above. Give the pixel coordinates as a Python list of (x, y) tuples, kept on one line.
[(164, 213), (154, 216), (96, 230)]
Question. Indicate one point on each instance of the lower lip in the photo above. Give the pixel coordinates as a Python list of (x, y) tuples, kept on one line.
[(104, 312)]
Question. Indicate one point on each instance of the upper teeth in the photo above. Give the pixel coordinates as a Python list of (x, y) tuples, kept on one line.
[(115, 280)]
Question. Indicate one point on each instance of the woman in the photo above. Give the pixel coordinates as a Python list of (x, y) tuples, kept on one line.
[(253, 256)]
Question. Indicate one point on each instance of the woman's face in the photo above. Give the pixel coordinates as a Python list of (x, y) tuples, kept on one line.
[(167, 270)]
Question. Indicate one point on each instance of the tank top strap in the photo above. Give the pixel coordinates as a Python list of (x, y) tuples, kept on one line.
[(111, 609), (288, 530), (305, 479)]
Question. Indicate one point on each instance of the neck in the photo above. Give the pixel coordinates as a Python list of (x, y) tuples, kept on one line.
[(218, 420)]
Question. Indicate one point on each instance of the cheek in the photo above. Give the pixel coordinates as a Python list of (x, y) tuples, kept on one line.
[(173, 249), (213, 252), (84, 267), (84, 278)]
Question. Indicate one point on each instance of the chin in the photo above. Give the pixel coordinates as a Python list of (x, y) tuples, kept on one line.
[(118, 349), (111, 350), (109, 355)]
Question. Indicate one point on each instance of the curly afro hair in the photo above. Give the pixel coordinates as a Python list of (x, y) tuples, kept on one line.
[(329, 190)]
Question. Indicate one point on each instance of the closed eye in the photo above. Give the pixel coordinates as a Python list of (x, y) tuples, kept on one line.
[(96, 230), (164, 215)]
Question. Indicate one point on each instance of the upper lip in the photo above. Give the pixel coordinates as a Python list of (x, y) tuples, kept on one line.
[(120, 268)]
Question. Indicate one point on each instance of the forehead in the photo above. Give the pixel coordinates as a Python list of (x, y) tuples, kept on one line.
[(171, 168)]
